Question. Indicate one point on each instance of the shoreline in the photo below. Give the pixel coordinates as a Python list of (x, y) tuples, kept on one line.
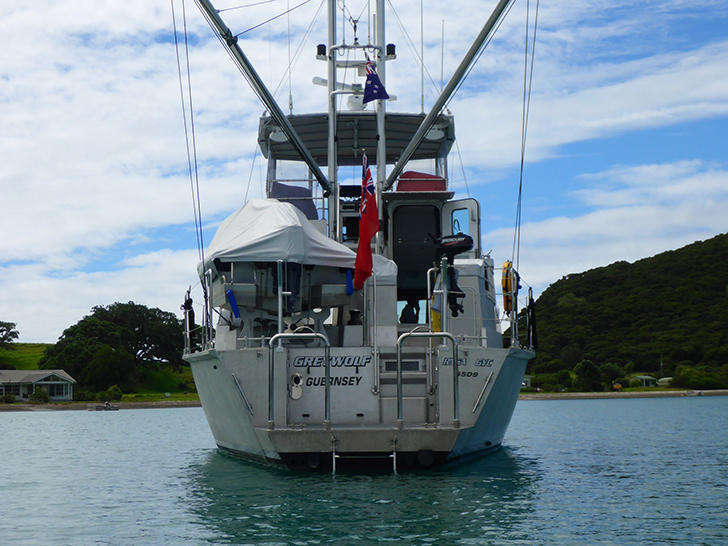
[(161, 404), (91, 406), (608, 395)]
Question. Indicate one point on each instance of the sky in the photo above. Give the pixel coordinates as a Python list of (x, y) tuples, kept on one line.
[(625, 152)]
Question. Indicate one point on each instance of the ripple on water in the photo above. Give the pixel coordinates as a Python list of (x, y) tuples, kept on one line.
[(590, 470)]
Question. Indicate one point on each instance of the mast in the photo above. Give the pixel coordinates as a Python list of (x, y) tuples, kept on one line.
[(485, 33), (240, 59), (334, 200), (381, 114)]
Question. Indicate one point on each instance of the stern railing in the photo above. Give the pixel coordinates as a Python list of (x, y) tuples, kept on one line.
[(455, 371), (327, 373)]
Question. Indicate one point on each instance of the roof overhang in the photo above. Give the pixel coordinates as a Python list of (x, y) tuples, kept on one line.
[(356, 131)]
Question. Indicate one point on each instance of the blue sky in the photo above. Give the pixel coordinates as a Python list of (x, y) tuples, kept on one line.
[(626, 149)]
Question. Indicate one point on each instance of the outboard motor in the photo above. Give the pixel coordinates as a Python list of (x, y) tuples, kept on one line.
[(450, 246)]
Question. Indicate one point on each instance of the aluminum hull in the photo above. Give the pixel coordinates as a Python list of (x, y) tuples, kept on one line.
[(233, 389)]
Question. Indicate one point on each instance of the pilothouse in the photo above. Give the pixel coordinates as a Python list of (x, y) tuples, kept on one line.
[(355, 322)]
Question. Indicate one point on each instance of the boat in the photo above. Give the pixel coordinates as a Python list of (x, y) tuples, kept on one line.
[(104, 407), (313, 365)]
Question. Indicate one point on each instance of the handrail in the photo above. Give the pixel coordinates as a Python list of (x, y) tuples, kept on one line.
[(455, 393), (242, 394), (327, 367)]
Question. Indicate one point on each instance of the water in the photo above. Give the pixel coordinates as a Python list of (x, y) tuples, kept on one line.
[(651, 470)]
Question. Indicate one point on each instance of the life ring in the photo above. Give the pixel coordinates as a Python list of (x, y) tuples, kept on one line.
[(507, 284)]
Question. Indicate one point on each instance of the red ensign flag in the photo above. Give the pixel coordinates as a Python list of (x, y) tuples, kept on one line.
[(368, 227)]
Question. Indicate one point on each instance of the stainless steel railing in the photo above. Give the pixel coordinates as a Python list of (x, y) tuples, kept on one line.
[(455, 392), (327, 373)]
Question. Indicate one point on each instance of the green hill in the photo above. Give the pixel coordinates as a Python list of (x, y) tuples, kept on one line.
[(654, 315), (23, 356)]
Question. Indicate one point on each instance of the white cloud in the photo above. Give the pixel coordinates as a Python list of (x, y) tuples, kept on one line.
[(43, 304)]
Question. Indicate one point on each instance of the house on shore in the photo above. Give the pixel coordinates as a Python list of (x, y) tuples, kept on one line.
[(646, 380), (22, 383)]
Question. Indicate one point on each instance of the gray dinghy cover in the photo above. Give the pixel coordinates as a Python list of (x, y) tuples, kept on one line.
[(268, 230)]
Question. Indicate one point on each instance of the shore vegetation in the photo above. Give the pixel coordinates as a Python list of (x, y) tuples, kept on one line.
[(662, 317)]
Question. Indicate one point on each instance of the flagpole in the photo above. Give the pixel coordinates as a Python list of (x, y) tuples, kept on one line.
[(334, 202), (381, 113)]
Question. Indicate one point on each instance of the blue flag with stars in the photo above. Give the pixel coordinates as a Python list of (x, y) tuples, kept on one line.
[(373, 89)]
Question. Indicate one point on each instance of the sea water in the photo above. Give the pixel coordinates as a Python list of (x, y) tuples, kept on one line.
[(636, 470)]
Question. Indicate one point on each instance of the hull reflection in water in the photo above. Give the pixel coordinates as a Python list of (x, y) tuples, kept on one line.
[(484, 499)]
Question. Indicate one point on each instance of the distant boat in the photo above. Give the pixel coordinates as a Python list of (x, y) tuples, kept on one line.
[(105, 407)]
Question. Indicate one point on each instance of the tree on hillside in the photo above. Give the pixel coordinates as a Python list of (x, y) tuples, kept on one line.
[(8, 334), (113, 345), (587, 376)]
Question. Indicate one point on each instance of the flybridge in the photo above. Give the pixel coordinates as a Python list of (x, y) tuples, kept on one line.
[(380, 50)]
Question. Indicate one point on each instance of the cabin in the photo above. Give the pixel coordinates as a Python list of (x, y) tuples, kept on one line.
[(416, 213), (22, 383)]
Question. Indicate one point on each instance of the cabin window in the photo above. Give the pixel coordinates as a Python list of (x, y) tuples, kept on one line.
[(412, 311), (461, 221)]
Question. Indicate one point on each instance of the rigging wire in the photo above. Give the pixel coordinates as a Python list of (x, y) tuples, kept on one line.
[(187, 139), (247, 5), (290, 88), (462, 168), (485, 45), (286, 73), (194, 137), (525, 111), (272, 18), (350, 18), (411, 43)]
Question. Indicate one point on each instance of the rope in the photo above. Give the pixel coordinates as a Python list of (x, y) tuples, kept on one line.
[(272, 18), (525, 111)]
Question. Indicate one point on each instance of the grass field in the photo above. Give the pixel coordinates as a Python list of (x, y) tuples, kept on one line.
[(23, 356)]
